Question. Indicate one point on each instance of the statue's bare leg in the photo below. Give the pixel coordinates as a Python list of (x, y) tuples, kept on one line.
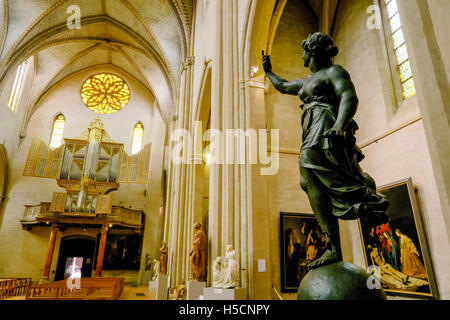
[(321, 206)]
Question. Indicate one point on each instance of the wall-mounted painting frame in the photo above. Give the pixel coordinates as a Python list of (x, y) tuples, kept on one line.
[(301, 241), (122, 251), (398, 249)]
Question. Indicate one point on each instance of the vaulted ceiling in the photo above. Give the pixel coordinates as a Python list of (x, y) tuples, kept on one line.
[(147, 39)]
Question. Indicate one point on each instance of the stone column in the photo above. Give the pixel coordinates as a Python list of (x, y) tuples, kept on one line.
[(50, 250), (101, 251), (178, 198), (260, 284), (227, 206)]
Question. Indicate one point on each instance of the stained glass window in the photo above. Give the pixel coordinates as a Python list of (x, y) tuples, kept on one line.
[(138, 137), (17, 88), (105, 93), (57, 132), (401, 54)]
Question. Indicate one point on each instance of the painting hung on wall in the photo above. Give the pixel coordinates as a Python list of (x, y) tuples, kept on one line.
[(301, 242), (122, 252), (398, 249)]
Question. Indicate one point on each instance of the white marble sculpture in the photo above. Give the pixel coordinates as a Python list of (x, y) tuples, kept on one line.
[(155, 270), (226, 270), (218, 274)]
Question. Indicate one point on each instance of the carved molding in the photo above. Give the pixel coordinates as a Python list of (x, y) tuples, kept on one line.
[(253, 83)]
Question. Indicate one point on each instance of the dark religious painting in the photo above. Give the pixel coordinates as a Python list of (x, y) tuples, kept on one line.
[(301, 241), (122, 252), (397, 251)]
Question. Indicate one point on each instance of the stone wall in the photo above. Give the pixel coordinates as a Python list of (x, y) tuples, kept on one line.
[(391, 135)]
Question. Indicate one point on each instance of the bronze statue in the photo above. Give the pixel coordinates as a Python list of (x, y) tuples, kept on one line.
[(198, 254), (163, 258), (329, 158)]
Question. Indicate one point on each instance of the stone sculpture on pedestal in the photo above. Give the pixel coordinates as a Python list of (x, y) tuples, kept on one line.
[(155, 270), (336, 186), (226, 270), (198, 254), (163, 257)]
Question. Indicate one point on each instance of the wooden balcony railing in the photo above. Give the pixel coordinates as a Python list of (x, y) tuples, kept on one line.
[(40, 214), (13, 287)]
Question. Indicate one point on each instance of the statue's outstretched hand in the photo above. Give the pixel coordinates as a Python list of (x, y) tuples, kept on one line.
[(267, 64)]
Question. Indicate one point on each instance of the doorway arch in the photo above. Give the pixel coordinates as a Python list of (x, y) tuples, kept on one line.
[(76, 246)]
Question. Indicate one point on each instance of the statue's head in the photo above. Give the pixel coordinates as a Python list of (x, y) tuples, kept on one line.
[(197, 226), (320, 46)]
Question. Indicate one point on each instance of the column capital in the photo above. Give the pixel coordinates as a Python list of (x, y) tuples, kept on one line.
[(104, 228)]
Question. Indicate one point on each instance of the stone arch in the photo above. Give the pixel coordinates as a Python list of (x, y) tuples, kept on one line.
[(86, 248)]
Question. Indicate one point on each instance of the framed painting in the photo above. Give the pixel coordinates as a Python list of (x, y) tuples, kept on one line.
[(301, 241), (122, 251), (398, 250)]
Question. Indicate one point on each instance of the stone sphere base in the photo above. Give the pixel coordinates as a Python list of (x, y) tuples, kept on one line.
[(338, 281)]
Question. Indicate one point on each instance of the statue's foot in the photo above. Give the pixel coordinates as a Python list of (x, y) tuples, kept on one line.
[(328, 257)]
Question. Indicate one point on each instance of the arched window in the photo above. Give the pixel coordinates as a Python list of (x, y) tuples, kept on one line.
[(17, 88), (57, 131), (403, 67), (138, 138)]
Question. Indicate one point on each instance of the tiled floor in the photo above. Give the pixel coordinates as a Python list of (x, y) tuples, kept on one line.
[(135, 293)]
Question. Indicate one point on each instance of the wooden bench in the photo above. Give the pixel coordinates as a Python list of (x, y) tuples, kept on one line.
[(13, 287), (64, 293), (91, 288)]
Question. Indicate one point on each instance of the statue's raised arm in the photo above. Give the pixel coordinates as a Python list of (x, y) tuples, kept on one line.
[(282, 85)]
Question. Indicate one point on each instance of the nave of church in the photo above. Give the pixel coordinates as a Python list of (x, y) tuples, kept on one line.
[(145, 154)]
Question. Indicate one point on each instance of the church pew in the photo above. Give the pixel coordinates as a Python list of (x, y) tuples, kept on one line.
[(12, 287), (116, 284), (63, 293)]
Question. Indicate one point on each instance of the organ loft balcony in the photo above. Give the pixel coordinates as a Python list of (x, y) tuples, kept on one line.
[(88, 168)]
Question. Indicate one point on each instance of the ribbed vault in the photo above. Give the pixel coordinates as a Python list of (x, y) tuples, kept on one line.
[(147, 39)]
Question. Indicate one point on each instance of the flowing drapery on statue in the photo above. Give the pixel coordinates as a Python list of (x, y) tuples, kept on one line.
[(335, 163), (226, 270), (329, 157)]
